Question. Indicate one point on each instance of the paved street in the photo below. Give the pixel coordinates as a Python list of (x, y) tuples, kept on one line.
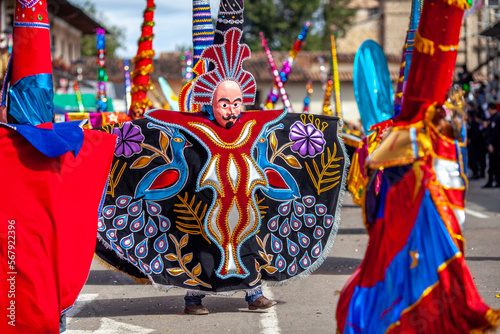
[(111, 302)]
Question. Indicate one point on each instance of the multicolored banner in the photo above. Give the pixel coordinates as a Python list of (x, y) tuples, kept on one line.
[(143, 62), (170, 217), (102, 77), (275, 92)]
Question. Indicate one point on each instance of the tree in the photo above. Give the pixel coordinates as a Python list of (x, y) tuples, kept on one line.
[(337, 18), (114, 39), (278, 20), (281, 21)]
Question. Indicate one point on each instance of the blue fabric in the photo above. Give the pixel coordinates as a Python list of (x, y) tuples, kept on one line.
[(384, 188), (63, 138), (374, 309), (409, 49), (372, 85), (462, 151), (203, 30), (208, 111), (249, 298), (62, 323), (191, 300), (416, 11), (6, 80), (31, 99)]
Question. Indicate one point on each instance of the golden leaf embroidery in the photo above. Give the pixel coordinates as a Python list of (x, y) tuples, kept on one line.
[(164, 142), (115, 179), (190, 213), (325, 178), (187, 258), (291, 160), (260, 242), (270, 269), (267, 257), (171, 257), (184, 241), (197, 270), (193, 275), (191, 282), (262, 208), (274, 142), (143, 161), (175, 271), (157, 152)]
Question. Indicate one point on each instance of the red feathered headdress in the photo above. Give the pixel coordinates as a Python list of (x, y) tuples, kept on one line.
[(434, 57), (227, 59)]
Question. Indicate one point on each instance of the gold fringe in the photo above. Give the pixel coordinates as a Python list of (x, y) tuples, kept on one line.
[(143, 104), (146, 54), (146, 38), (393, 325), (462, 4), (148, 24), (138, 108), (492, 316), (110, 267), (149, 9), (143, 70), (424, 45), (401, 79), (203, 20), (203, 33), (142, 88), (446, 48)]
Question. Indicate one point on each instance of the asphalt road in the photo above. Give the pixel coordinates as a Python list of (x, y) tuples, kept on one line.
[(111, 302)]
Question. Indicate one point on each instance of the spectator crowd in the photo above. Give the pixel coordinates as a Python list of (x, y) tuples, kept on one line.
[(483, 139)]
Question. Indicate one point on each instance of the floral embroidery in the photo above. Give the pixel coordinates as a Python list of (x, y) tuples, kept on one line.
[(308, 140), (129, 140)]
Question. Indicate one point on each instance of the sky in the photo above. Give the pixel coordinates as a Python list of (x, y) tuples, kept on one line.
[(173, 22)]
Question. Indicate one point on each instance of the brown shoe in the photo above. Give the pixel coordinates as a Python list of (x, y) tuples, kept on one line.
[(195, 309), (261, 303)]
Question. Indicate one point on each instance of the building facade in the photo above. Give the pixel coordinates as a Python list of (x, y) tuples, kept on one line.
[(67, 24)]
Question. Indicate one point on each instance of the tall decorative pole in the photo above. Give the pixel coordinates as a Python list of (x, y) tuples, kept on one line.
[(324, 74), (128, 84), (143, 65), (336, 81), (277, 78), (187, 67), (102, 77), (274, 94), (327, 108), (203, 36), (307, 99), (78, 94), (203, 29), (416, 9), (31, 68)]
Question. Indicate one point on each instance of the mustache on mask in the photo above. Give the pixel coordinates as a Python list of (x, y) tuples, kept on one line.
[(227, 118)]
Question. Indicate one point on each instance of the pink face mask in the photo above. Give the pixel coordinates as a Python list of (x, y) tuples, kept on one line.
[(226, 103)]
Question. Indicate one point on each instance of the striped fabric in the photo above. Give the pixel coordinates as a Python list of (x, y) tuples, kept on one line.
[(203, 30)]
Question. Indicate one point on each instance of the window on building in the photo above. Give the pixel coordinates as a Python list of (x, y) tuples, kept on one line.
[(52, 43), (373, 11), (62, 48)]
